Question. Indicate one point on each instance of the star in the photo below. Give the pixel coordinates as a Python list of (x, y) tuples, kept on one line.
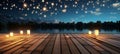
[(64, 10), (44, 9), (43, 0), (52, 4), (44, 16), (37, 7), (65, 6), (25, 5), (25, 14)]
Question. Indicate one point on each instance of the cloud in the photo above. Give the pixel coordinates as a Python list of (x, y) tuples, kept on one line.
[(98, 9), (82, 16), (96, 12), (116, 4), (114, 13), (56, 21), (106, 1), (119, 8), (113, 17)]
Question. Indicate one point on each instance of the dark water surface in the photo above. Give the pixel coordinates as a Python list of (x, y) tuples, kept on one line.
[(61, 31)]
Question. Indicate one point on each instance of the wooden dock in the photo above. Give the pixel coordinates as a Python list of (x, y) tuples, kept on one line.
[(60, 44)]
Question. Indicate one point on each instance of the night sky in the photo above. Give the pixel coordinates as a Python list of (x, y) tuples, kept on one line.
[(61, 10)]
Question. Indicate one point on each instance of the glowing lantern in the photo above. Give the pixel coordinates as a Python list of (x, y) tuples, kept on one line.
[(21, 32), (89, 32), (28, 32), (11, 33), (96, 32), (7, 36)]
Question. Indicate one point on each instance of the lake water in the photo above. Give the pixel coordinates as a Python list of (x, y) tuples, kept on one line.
[(62, 31), (74, 31)]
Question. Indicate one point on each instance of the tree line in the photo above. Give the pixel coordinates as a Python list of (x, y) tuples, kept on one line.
[(61, 25)]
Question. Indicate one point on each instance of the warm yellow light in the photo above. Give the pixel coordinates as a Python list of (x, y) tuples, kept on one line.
[(21, 32), (11, 33), (25, 5), (44, 9), (28, 32), (67, 36), (96, 32), (7, 36), (89, 32)]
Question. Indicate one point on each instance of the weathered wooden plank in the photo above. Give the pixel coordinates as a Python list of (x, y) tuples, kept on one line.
[(64, 45), (19, 46), (35, 45), (9, 46), (71, 45), (106, 36), (110, 42), (40, 48), (49, 47), (87, 45), (12, 46), (5, 41), (81, 48), (24, 47), (56, 49), (101, 50), (14, 40), (107, 49)]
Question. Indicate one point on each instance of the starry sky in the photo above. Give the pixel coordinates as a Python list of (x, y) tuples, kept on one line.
[(61, 10)]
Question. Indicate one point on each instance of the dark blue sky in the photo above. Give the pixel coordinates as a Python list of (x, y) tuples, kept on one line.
[(62, 10)]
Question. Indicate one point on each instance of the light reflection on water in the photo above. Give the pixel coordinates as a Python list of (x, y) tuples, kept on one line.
[(63, 31), (74, 31)]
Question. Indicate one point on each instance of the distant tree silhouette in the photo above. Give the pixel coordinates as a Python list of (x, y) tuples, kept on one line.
[(61, 25)]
